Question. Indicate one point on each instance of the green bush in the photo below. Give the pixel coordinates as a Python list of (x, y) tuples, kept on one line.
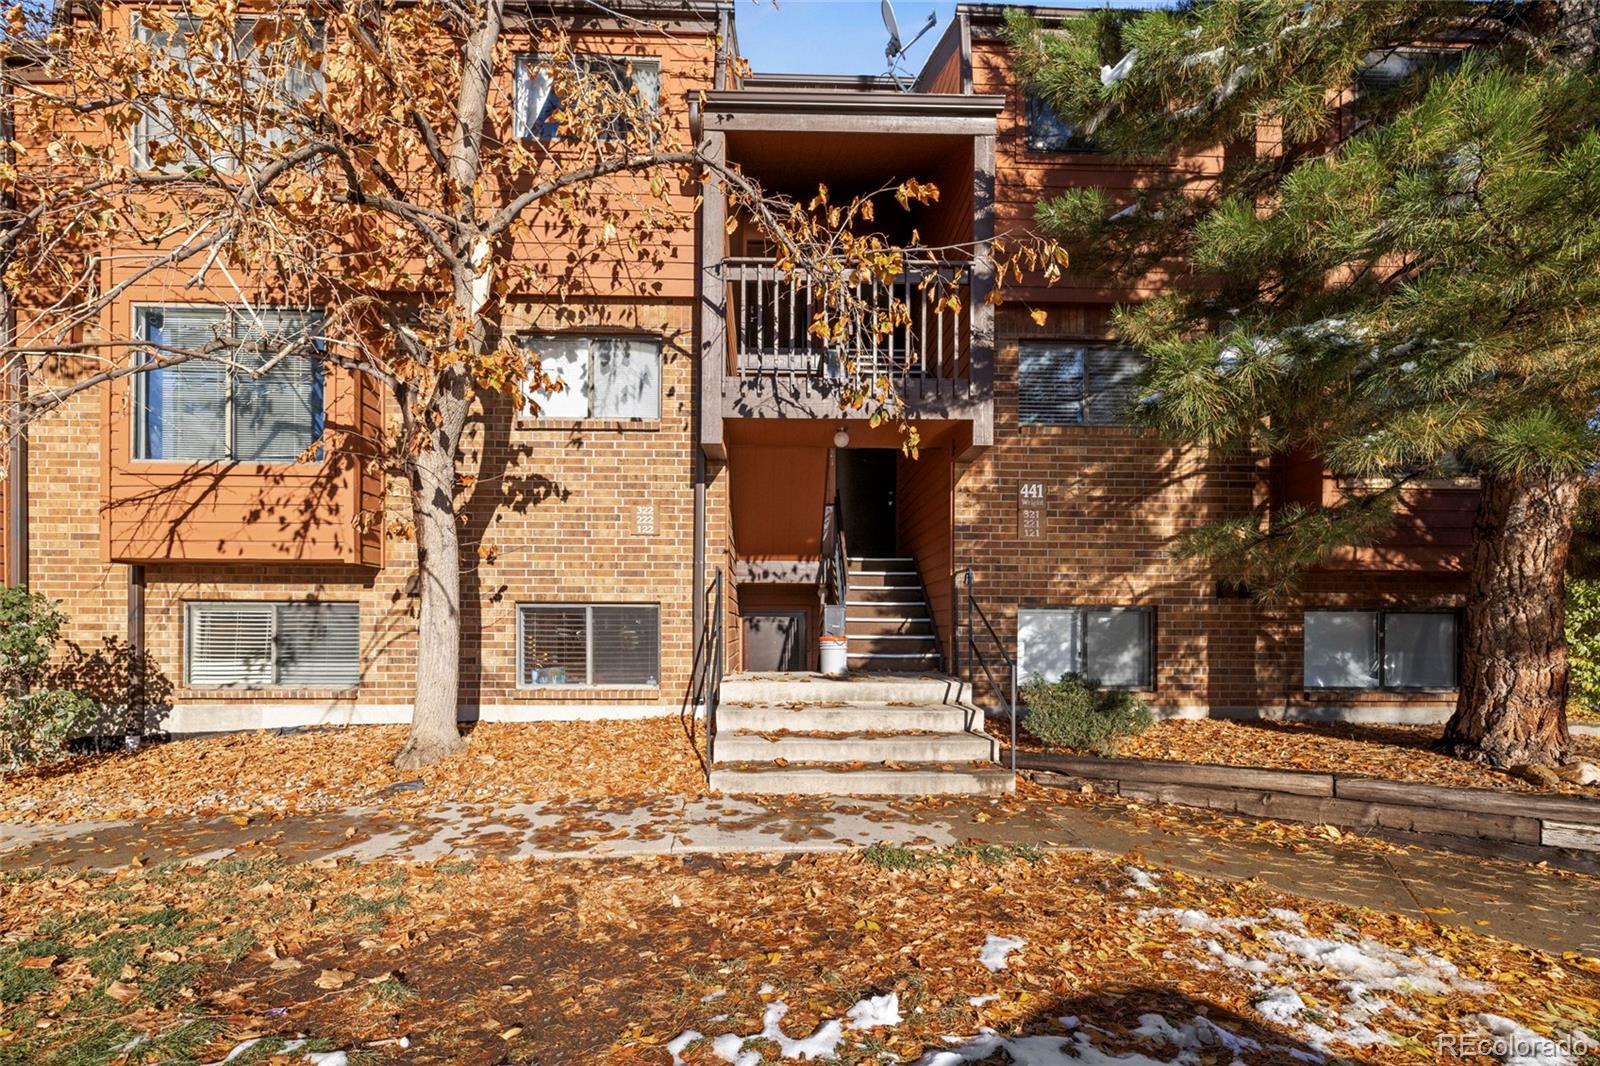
[(1583, 644), (37, 718), (1077, 713)]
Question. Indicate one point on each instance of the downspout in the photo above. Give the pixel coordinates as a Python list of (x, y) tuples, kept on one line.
[(16, 381), (696, 402), (134, 726)]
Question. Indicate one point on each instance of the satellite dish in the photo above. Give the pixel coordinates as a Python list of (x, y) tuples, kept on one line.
[(894, 51), (893, 26)]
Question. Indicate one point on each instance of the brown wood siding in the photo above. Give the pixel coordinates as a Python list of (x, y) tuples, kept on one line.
[(1023, 178), (925, 513), (777, 500)]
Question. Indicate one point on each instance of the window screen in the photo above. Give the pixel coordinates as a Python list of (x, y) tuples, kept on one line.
[(615, 377), (1067, 384), (1111, 645), (589, 644), (274, 645), (536, 102), (1380, 649), (200, 410)]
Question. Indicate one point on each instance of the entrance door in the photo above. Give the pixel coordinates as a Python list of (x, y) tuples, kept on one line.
[(866, 492), (775, 641)]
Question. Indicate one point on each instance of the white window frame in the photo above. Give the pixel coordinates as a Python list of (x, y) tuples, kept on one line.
[(533, 60), (137, 406), (1382, 615), (588, 609), (1081, 613), (189, 613), (138, 157)]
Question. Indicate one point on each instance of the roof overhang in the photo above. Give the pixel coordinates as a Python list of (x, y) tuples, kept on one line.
[(836, 111)]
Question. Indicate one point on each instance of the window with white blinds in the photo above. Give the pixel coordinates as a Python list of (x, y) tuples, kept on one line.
[(609, 377), (536, 102), (1381, 650), (588, 644), (273, 645), (1065, 384), (203, 410), (1111, 645)]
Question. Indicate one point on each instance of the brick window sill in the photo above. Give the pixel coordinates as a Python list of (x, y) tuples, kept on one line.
[(589, 425)]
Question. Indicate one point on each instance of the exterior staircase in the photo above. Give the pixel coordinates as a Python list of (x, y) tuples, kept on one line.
[(875, 733), (887, 619)]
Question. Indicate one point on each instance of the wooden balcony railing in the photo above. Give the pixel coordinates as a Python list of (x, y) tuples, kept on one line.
[(770, 315)]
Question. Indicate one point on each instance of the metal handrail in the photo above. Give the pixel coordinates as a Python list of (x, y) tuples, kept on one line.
[(975, 659), (708, 660)]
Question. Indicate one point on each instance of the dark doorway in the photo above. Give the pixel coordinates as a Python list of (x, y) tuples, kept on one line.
[(775, 641), (866, 494)]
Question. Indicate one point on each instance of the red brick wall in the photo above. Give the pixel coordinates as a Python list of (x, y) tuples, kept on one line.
[(1117, 498)]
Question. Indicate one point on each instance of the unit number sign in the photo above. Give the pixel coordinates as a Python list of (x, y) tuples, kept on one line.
[(1031, 507)]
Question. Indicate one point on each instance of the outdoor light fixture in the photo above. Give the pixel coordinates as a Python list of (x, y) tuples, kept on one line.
[(841, 438)]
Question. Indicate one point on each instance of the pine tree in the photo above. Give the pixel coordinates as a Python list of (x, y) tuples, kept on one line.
[(1396, 271)]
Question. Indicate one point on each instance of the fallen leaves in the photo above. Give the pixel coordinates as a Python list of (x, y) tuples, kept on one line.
[(1399, 753), (252, 776), (331, 979)]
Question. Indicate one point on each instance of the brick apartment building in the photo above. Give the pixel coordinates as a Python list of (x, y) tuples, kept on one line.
[(702, 432)]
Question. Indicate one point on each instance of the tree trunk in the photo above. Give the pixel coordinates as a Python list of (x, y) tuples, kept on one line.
[(1512, 705), (434, 712)]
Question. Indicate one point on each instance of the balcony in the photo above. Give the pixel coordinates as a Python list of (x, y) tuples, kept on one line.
[(771, 315)]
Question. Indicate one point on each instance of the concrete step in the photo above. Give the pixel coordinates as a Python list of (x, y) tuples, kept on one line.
[(931, 718), (926, 780), (857, 747), (888, 627), (893, 661), (892, 644), (910, 687)]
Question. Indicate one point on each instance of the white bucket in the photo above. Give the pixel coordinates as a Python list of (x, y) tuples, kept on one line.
[(834, 656)]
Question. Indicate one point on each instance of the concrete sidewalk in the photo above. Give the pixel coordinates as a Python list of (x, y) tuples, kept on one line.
[(1531, 905)]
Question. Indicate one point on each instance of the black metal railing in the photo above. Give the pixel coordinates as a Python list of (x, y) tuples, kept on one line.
[(771, 311), (833, 578), (976, 661), (706, 683)]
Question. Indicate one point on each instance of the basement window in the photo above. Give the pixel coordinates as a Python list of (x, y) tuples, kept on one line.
[(1396, 650), (588, 644), (1111, 645), (1062, 383), (247, 645)]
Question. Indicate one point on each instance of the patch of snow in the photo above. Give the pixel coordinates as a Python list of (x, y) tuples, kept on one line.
[(978, 1001), (995, 949), (1523, 1046), (1143, 880), (676, 1045), (879, 1010), (819, 1045), (1211, 55), (1127, 212), (1281, 1006), (288, 1047), (1124, 67), (765, 989), (709, 996), (727, 1047), (1194, 1042)]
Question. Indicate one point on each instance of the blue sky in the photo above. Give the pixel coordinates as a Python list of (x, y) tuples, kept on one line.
[(837, 36)]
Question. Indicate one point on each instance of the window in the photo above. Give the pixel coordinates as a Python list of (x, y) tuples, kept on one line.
[(273, 645), (1049, 132), (1111, 645), (605, 377), (536, 101), (588, 644), (203, 410), (163, 140), (1060, 383), (1380, 649)]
